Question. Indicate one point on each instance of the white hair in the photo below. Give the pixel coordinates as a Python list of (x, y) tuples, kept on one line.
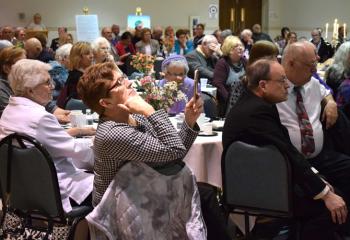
[(95, 45), (177, 63), (246, 32), (27, 73), (209, 39), (63, 51)]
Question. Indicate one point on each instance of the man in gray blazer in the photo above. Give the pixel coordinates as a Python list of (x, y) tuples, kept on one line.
[(204, 58)]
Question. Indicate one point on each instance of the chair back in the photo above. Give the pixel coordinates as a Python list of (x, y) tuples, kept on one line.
[(210, 105), (28, 176), (75, 104), (257, 180)]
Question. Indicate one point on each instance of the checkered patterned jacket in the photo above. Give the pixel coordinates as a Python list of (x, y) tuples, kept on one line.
[(154, 141)]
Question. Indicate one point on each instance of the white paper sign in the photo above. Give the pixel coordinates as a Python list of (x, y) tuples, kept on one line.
[(87, 27), (213, 11)]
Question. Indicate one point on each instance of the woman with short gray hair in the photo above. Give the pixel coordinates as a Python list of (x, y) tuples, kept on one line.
[(59, 70), (32, 88), (101, 49), (175, 68)]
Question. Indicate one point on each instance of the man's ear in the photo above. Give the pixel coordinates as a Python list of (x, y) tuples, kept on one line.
[(262, 85)]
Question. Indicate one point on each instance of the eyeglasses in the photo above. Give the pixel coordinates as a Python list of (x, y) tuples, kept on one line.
[(238, 46), (104, 48), (310, 65), (283, 80), (181, 75), (49, 83), (120, 81)]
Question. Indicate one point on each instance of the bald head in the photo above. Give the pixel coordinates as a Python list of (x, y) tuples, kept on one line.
[(298, 51), (33, 48), (300, 61), (157, 32)]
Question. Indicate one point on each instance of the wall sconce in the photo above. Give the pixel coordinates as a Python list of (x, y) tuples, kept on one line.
[(138, 11), (242, 14)]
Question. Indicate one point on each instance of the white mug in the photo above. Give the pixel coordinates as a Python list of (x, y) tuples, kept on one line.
[(77, 118), (202, 119), (204, 82), (207, 128)]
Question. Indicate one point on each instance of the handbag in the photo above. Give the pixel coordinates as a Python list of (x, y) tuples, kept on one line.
[(16, 224), (17, 227)]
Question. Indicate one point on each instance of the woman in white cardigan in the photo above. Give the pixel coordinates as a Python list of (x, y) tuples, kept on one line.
[(26, 114)]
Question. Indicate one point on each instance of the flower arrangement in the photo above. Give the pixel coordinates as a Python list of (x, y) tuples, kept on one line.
[(142, 63), (160, 97)]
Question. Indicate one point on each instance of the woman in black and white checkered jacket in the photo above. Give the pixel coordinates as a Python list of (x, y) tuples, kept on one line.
[(129, 128)]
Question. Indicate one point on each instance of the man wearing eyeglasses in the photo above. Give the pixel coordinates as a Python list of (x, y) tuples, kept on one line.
[(255, 120), (310, 108), (324, 49)]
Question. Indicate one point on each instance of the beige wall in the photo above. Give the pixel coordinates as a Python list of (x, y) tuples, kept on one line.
[(62, 12), (300, 15), (304, 15)]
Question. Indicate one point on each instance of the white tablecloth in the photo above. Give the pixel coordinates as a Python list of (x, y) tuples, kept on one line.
[(210, 90), (204, 159)]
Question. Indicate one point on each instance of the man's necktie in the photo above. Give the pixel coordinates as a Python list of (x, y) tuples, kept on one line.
[(306, 132)]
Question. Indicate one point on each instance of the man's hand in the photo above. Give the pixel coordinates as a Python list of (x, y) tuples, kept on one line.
[(330, 112), (336, 206)]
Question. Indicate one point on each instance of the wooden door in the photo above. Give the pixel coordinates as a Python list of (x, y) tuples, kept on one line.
[(239, 14)]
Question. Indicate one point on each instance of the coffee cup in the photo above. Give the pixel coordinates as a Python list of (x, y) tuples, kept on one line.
[(202, 119), (204, 82), (207, 128), (77, 118)]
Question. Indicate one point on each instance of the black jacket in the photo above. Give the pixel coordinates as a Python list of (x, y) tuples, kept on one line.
[(325, 51), (254, 121)]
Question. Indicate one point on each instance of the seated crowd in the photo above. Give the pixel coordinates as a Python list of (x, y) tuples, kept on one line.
[(269, 91)]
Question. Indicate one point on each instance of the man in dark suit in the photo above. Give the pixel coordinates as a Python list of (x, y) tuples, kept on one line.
[(255, 120), (324, 49)]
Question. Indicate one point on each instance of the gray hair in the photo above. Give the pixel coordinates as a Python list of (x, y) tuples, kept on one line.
[(95, 45), (63, 51), (26, 73), (341, 65), (246, 32), (225, 33), (177, 63), (209, 39)]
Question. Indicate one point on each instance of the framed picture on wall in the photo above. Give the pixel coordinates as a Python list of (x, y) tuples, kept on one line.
[(194, 20)]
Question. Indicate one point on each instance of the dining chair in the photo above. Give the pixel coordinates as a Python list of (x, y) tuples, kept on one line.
[(210, 105), (257, 182), (76, 104), (28, 174)]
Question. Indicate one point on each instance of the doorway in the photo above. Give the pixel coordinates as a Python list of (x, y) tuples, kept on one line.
[(239, 14)]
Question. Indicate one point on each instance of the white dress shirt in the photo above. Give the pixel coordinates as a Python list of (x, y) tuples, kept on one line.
[(27, 117), (313, 93)]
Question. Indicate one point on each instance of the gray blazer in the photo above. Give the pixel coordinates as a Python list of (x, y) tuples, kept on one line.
[(204, 65), (140, 46)]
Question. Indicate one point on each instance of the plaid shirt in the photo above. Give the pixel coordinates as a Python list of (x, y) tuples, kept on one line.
[(154, 141)]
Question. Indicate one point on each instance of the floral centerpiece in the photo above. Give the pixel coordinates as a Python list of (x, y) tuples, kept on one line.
[(143, 63), (160, 97)]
